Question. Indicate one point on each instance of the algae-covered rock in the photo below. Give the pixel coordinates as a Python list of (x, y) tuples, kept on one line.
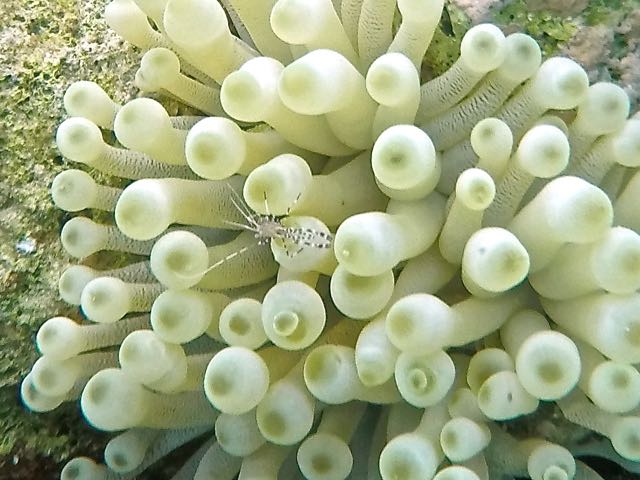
[(44, 46)]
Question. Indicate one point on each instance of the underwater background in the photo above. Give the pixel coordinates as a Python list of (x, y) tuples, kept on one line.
[(45, 45)]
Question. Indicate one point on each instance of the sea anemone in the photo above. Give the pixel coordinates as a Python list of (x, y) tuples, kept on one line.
[(445, 253)]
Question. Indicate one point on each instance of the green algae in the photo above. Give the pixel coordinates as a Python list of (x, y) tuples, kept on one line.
[(44, 46), (445, 46), (548, 28)]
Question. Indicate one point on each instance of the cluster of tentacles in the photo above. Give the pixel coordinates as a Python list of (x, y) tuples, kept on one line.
[(445, 253)]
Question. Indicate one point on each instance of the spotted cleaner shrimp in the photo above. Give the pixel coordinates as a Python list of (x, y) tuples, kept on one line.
[(269, 227)]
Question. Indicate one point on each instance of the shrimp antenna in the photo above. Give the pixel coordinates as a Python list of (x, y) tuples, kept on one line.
[(241, 206)]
